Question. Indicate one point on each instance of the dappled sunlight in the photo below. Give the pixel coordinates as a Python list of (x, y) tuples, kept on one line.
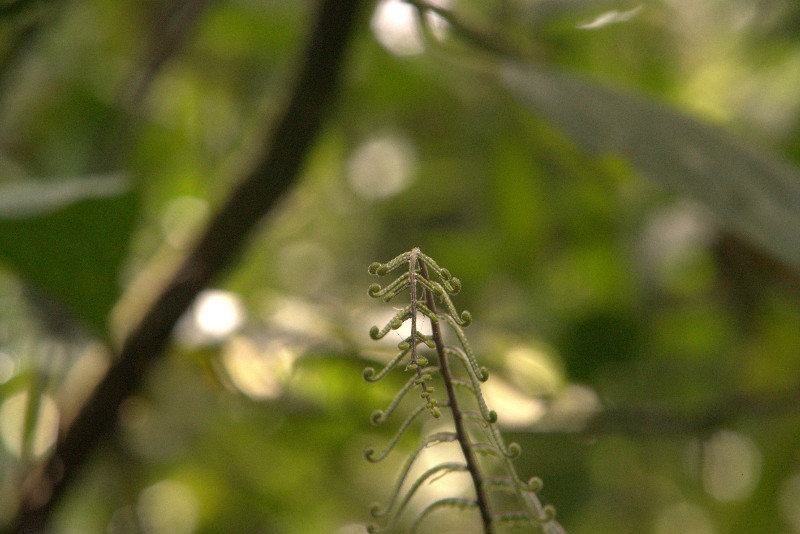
[(168, 507), (684, 518), (731, 466), (13, 413), (610, 17), (570, 410), (720, 80), (615, 184), (533, 369), (671, 241), (7, 366), (789, 501), (352, 529), (215, 315), (259, 373), (515, 408), (182, 218), (218, 313), (396, 26), (381, 167), (296, 316), (87, 370)]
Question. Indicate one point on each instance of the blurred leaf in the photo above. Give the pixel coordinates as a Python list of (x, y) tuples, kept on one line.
[(69, 237), (30, 198), (751, 191)]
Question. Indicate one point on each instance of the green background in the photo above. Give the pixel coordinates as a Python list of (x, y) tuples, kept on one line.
[(623, 210)]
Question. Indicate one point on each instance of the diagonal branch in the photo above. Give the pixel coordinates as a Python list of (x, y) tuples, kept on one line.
[(217, 249), (168, 35)]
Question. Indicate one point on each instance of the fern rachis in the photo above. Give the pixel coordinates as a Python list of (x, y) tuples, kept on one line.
[(425, 290)]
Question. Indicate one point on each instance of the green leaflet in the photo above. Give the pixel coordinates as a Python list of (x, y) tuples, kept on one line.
[(751, 191), (474, 424), (68, 238)]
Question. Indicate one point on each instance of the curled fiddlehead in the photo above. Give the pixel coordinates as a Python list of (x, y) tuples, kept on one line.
[(475, 430)]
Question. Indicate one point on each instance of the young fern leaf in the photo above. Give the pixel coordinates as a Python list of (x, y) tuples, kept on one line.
[(474, 428)]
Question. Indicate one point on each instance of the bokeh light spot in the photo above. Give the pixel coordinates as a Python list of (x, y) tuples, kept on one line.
[(396, 27), (6, 367), (12, 424), (260, 374), (304, 266), (789, 501), (731, 466), (515, 408), (168, 507), (217, 313), (533, 369), (684, 518), (381, 167)]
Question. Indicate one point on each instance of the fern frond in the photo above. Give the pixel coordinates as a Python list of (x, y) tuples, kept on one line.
[(511, 485), (388, 292), (475, 387), (481, 373), (370, 375), (380, 269), (450, 502), (464, 318), (486, 449), (393, 324), (512, 450), (476, 432), (433, 439), (434, 473), (370, 455), (379, 416)]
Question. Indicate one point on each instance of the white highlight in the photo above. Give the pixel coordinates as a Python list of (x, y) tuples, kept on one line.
[(217, 313), (381, 167), (12, 424), (395, 25), (731, 466), (610, 17)]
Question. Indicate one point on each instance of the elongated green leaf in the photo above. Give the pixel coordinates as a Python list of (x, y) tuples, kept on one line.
[(751, 191), (68, 237), (31, 198)]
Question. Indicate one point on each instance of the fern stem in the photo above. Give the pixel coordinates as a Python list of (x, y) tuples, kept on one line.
[(481, 497)]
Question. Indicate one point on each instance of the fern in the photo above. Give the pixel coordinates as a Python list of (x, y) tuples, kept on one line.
[(475, 430)]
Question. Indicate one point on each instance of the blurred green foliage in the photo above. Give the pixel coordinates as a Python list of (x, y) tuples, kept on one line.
[(668, 308)]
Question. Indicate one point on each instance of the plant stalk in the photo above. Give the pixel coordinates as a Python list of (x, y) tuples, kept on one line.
[(458, 420)]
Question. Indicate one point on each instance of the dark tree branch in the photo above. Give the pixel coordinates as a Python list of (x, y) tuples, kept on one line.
[(22, 22), (168, 35), (218, 248)]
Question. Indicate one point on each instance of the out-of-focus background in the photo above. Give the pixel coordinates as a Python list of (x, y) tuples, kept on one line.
[(621, 206)]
